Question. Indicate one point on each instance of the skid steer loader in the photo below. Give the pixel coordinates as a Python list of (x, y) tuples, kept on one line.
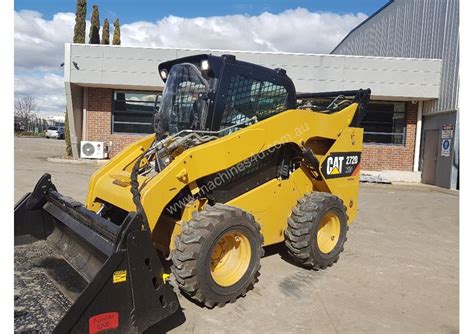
[(238, 161)]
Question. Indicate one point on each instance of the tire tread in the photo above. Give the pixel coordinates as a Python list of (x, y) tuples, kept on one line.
[(188, 245), (297, 235)]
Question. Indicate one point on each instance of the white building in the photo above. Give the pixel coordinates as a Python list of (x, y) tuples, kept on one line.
[(110, 92)]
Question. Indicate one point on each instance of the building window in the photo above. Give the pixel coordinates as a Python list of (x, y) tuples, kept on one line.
[(385, 123), (132, 112)]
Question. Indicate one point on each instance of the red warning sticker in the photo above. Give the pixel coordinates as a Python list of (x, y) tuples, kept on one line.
[(103, 321)]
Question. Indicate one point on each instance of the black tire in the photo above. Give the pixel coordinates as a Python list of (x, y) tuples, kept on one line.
[(194, 246), (302, 232)]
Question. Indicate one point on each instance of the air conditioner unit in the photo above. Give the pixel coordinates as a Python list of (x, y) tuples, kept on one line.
[(93, 150)]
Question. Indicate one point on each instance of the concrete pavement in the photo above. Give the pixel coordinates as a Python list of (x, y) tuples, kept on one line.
[(399, 271)]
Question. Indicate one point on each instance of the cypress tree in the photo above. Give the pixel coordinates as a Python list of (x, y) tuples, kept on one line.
[(105, 33), (80, 26), (67, 137), (116, 39), (94, 37)]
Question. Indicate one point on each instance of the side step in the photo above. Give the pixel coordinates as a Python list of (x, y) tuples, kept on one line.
[(125, 292)]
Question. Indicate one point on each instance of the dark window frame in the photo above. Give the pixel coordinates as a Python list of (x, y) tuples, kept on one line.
[(401, 134), (249, 95), (252, 72), (128, 112)]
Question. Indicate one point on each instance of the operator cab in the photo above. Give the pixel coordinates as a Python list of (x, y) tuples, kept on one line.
[(211, 93)]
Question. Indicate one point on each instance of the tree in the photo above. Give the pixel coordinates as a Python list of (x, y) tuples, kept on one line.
[(67, 136), (25, 111), (95, 26), (80, 26), (105, 33), (116, 39)]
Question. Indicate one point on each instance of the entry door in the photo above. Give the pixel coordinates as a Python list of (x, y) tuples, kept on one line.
[(430, 156)]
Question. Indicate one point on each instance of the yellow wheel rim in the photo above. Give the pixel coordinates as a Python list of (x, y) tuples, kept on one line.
[(230, 258), (328, 232)]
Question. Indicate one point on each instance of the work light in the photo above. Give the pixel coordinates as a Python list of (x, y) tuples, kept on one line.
[(205, 65), (163, 74)]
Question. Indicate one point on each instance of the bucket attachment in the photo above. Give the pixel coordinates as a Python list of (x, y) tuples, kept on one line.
[(126, 292)]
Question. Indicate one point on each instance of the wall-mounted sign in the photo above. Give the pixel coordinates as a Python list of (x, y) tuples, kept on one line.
[(447, 131), (445, 147)]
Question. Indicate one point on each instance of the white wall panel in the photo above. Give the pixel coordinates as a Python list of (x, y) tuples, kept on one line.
[(387, 77)]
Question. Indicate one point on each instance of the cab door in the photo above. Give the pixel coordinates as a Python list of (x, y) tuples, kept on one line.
[(247, 91)]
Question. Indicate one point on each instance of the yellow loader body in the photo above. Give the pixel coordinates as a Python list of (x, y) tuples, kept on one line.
[(271, 203)]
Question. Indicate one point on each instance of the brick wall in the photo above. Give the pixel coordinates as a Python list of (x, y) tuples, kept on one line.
[(99, 121), (374, 157), (393, 157)]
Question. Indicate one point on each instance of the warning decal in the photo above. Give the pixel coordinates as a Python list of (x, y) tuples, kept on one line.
[(103, 321), (120, 276), (341, 165)]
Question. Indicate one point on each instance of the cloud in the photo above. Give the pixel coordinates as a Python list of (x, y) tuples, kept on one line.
[(295, 30), (39, 43), (47, 89)]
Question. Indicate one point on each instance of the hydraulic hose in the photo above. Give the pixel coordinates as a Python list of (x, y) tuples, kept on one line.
[(134, 185)]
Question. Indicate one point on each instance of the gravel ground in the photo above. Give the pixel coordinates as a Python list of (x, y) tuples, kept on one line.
[(39, 302)]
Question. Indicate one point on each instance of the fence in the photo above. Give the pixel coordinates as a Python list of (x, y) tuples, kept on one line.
[(35, 124)]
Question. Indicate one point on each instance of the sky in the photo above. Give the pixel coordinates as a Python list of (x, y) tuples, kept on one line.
[(42, 28)]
